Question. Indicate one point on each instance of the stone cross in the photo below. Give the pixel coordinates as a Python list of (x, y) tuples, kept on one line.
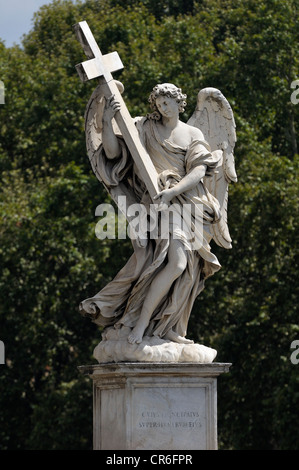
[(101, 67)]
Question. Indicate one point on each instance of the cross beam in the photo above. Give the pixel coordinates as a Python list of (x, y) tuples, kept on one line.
[(102, 66)]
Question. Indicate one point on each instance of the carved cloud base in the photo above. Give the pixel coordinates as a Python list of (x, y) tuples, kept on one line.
[(150, 406), (115, 348)]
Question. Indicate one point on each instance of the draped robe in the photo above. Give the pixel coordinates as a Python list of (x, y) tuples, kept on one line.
[(120, 301)]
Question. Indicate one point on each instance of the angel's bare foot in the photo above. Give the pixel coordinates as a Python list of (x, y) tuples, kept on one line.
[(172, 336), (136, 335)]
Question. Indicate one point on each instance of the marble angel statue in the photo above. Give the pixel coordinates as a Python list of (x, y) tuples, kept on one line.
[(153, 294)]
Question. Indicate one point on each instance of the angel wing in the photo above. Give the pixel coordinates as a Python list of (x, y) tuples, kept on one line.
[(214, 117), (93, 126), (93, 131)]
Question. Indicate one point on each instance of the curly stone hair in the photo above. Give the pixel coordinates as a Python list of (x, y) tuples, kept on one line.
[(169, 90)]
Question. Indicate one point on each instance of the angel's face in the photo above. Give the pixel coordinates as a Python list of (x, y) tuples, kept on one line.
[(168, 107)]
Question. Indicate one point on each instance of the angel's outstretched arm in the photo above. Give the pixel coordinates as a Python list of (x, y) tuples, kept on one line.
[(110, 142), (190, 181)]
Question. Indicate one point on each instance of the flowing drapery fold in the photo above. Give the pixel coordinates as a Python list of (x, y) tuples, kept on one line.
[(120, 301)]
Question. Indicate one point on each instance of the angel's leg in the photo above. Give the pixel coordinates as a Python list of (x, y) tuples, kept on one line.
[(177, 262)]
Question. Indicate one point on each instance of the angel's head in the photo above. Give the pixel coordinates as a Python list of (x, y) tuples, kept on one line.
[(167, 90)]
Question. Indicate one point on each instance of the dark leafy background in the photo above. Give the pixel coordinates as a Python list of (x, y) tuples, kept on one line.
[(51, 258)]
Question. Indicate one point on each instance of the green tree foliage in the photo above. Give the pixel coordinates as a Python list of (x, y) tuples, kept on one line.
[(51, 258)]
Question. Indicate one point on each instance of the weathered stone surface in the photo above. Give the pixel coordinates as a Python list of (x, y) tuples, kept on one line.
[(184, 169), (116, 348), (150, 406)]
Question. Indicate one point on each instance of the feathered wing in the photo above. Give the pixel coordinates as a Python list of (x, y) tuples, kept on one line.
[(214, 117), (93, 126), (93, 130)]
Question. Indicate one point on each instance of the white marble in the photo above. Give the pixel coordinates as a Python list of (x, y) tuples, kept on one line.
[(153, 387), (155, 407), (180, 167), (116, 348)]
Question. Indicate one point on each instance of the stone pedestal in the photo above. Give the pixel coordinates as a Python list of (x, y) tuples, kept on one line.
[(155, 406)]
